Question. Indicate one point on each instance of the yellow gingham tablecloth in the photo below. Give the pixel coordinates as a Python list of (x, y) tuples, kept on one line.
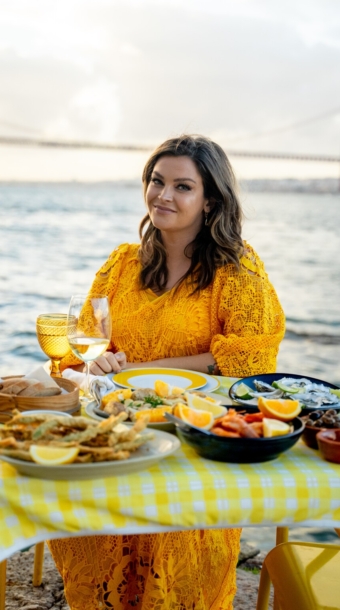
[(181, 491)]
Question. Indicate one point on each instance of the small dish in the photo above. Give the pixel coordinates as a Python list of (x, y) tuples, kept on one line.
[(309, 436), (236, 450), (45, 412), (329, 444)]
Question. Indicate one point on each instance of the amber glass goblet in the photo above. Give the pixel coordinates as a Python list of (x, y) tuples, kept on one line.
[(52, 337)]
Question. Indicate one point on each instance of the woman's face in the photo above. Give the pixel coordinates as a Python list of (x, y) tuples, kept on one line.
[(175, 197)]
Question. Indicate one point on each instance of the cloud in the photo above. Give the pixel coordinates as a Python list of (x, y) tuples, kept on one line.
[(140, 70)]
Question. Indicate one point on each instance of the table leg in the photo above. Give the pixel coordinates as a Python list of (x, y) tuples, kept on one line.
[(2, 584), (282, 534), (38, 564)]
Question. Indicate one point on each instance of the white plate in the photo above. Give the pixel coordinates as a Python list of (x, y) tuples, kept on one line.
[(46, 412), (211, 385), (167, 426), (162, 445), (145, 378)]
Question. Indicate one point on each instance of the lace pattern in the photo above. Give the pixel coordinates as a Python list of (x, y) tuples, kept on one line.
[(238, 317), (175, 571)]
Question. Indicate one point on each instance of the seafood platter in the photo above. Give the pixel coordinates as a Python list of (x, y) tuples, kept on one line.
[(153, 403), (311, 393), (50, 446), (212, 429), (242, 436)]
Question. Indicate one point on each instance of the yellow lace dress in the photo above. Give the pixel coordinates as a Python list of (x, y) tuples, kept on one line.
[(238, 318)]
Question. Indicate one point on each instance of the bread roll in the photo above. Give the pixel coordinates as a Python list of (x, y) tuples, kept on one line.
[(39, 389), (16, 386)]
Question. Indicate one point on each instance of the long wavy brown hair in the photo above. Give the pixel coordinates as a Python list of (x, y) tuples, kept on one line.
[(219, 240)]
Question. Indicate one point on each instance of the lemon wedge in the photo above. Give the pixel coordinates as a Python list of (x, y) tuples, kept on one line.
[(53, 456), (205, 404), (274, 427)]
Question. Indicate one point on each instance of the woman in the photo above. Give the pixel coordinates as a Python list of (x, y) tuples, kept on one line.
[(192, 295)]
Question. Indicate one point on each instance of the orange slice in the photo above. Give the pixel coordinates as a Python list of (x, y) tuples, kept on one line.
[(279, 408), (162, 388), (116, 396), (200, 419)]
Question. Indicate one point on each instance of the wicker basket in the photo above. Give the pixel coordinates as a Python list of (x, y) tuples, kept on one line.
[(68, 402)]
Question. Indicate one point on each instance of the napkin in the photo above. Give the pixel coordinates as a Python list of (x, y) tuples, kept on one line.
[(102, 383), (41, 375)]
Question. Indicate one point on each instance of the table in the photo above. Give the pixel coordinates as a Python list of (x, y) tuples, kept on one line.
[(181, 491)]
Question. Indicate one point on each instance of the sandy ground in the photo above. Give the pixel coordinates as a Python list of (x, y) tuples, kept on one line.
[(20, 593)]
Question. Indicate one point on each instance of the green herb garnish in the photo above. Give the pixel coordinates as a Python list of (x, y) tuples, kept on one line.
[(153, 401)]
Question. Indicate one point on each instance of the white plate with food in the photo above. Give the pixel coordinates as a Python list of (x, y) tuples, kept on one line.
[(146, 377), (162, 445), (92, 410)]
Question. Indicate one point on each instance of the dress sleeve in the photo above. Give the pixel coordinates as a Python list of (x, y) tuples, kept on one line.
[(249, 318), (105, 282)]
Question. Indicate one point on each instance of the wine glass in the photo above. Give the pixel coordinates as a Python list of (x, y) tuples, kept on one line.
[(88, 330), (52, 337)]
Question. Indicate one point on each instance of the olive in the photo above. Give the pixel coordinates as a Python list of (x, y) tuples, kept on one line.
[(331, 412), (315, 415), (310, 422), (328, 419), (318, 423)]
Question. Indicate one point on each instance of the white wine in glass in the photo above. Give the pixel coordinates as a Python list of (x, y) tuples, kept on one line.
[(89, 330)]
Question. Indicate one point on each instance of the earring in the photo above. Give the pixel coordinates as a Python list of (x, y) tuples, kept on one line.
[(206, 215)]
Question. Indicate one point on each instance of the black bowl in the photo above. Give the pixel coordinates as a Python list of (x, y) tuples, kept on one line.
[(241, 450), (269, 378)]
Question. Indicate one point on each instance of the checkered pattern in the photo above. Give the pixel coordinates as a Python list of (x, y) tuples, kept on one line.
[(181, 491)]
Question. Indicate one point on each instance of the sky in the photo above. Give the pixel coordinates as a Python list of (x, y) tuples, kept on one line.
[(140, 71)]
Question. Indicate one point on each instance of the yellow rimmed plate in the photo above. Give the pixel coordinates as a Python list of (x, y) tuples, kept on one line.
[(146, 377)]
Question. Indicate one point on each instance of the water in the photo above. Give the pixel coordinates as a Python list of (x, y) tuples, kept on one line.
[(54, 237)]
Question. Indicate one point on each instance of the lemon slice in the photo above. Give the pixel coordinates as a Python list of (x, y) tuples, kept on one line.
[(205, 404), (53, 456), (336, 392), (200, 419), (274, 427)]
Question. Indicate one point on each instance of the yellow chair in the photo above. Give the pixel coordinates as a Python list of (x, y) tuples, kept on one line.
[(305, 576)]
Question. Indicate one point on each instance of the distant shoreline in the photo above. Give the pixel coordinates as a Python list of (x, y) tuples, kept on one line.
[(258, 185)]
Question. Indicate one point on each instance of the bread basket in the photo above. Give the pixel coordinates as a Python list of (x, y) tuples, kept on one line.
[(68, 402)]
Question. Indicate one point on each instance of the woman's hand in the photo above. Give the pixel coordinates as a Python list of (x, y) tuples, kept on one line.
[(108, 363)]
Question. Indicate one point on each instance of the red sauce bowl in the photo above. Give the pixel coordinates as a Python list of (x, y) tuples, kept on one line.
[(329, 444)]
